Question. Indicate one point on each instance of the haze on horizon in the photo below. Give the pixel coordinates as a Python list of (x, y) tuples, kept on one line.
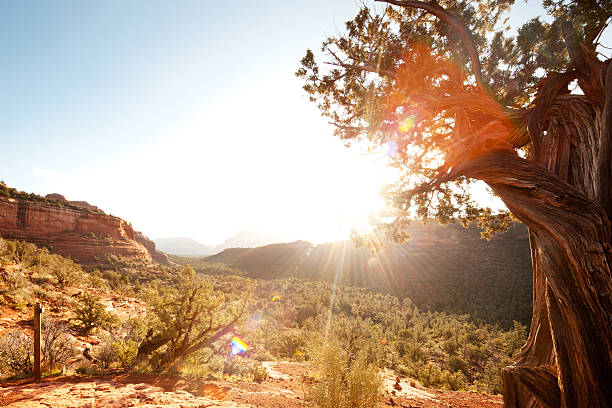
[(183, 118)]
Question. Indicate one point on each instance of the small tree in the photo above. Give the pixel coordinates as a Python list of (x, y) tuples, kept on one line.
[(90, 313), (188, 317)]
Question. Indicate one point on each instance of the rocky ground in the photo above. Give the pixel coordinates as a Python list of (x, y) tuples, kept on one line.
[(284, 388)]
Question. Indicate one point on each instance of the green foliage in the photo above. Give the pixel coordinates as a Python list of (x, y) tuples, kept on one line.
[(260, 373), (438, 349), (404, 77), (460, 272), (21, 253), (25, 288), (90, 313), (290, 342), (188, 316), (345, 380), (64, 270), (123, 352)]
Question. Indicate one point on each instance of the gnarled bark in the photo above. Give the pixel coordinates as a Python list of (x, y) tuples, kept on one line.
[(571, 241)]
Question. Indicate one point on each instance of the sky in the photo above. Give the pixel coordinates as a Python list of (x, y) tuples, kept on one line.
[(182, 117)]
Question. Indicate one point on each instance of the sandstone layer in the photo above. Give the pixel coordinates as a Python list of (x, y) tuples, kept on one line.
[(82, 233)]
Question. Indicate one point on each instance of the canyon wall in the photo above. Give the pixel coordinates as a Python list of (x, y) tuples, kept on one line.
[(82, 233)]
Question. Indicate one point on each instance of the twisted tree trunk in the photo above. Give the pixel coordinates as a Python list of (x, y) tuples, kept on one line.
[(561, 194)]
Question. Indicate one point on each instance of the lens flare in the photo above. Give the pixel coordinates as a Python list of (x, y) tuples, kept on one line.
[(391, 149), (238, 346), (254, 321), (406, 124)]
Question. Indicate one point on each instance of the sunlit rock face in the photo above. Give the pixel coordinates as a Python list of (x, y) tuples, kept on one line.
[(158, 256), (81, 232)]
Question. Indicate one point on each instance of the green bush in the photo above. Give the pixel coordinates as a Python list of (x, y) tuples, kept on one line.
[(345, 380), (239, 366), (22, 253), (123, 352), (260, 373), (90, 313), (64, 270), (456, 363)]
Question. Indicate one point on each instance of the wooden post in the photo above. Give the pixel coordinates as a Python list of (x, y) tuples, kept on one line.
[(37, 312)]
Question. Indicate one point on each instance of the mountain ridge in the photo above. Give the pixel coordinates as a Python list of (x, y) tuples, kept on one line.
[(446, 268)]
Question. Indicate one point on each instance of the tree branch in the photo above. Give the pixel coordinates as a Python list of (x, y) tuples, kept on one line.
[(364, 68), (585, 62), (551, 87), (456, 24)]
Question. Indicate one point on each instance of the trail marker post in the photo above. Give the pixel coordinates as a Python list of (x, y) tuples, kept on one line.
[(38, 309)]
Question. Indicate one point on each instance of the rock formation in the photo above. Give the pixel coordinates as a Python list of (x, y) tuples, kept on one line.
[(81, 232), (158, 256)]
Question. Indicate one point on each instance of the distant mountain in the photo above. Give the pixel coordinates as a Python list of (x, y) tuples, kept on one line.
[(183, 246), (250, 239), (441, 268)]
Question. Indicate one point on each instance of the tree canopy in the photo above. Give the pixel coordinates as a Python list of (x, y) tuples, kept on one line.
[(430, 78)]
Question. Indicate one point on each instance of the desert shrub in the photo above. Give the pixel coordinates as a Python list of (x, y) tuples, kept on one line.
[(450, 347), (22, 253), (239, 366), (23, 298), (430, 375), (95, 280), (206, 363), (245, 368), (115, 279), (120, 351), (135, 329), (106, 353), (454, 381), (491, 379), (476, 355), (290, 343), (456, 363), (56, 347), (126, 351), (187, 317), (259, 372), (14, 279), (64, 270), (40, 293), (90, 313), (345, 380), (263, 356), (16, 353)]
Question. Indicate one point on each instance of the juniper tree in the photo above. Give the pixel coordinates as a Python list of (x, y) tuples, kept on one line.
[(455, 99), (188, 317)]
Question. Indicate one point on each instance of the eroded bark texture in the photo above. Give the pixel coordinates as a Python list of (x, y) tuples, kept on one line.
[(561, 195)]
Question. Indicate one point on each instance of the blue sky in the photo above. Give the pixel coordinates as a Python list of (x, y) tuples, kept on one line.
[(183, 117)]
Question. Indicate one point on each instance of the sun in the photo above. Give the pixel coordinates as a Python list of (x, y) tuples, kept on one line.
[(348, 201)]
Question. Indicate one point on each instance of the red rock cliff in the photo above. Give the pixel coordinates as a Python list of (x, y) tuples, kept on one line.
[(76, 232)]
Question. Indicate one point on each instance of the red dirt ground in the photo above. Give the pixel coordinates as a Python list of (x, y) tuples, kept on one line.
[(284, 389)]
